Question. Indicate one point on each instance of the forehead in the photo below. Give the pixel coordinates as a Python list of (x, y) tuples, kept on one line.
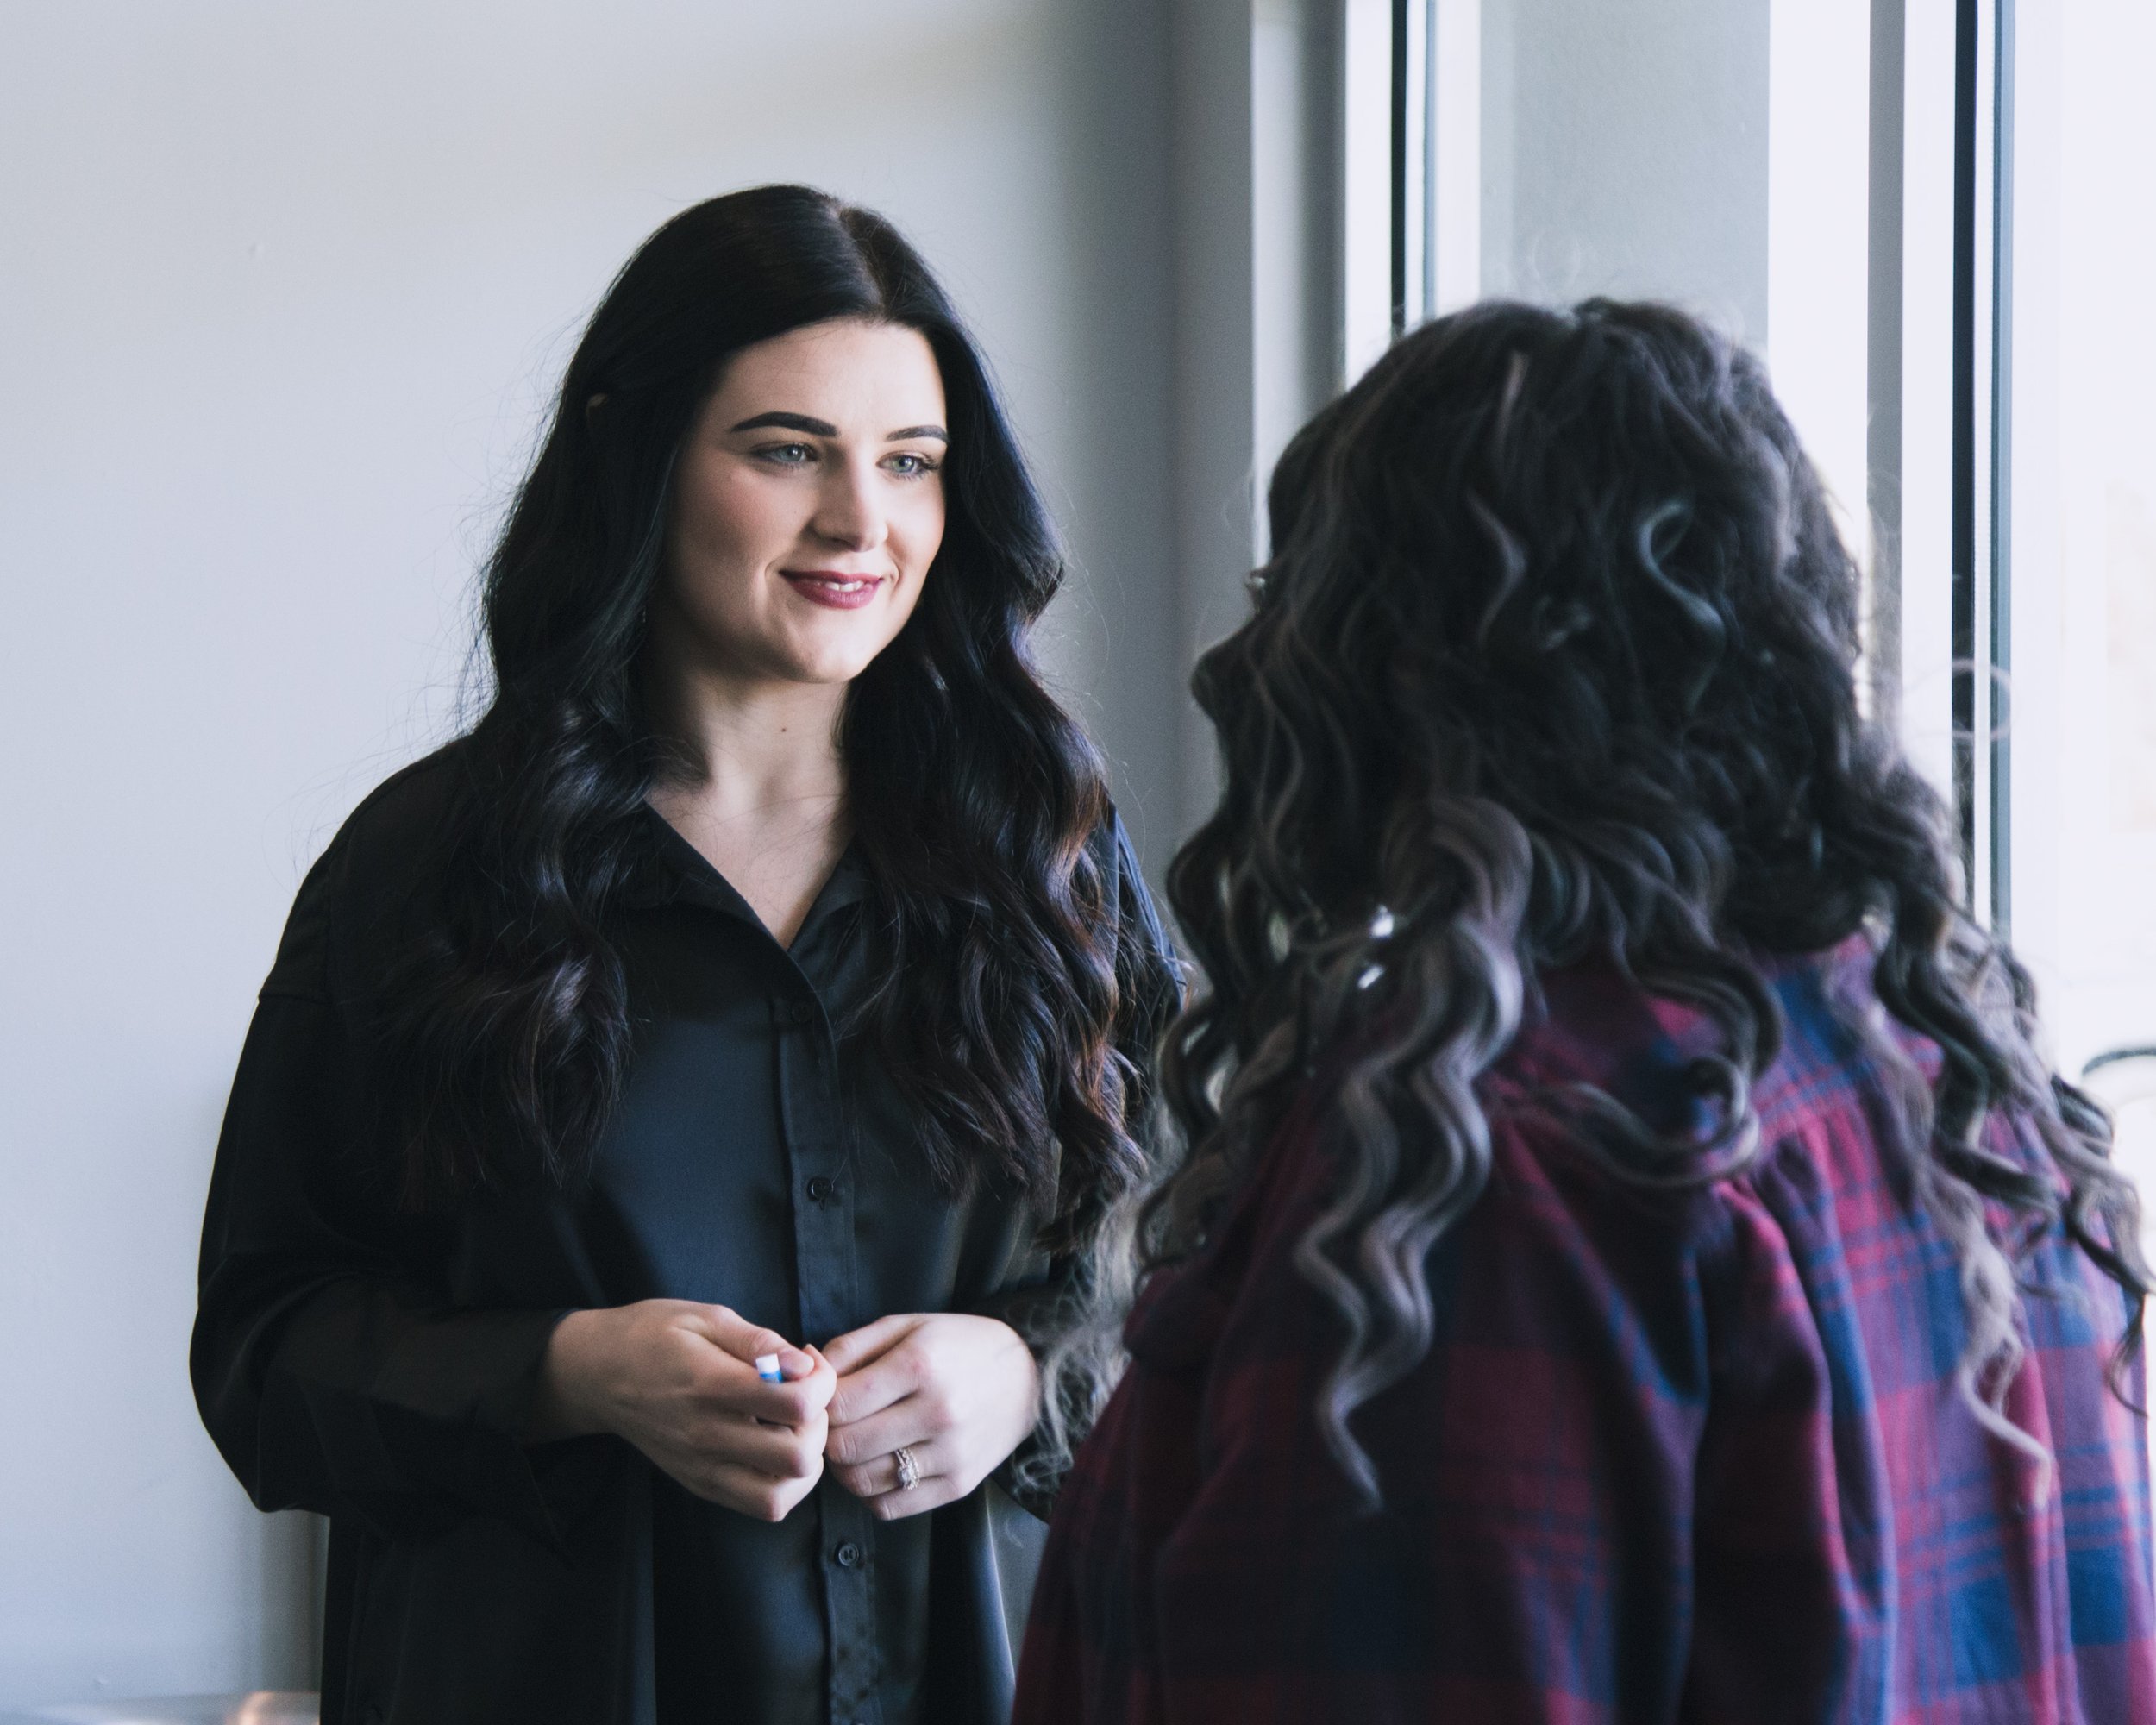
[(857, 374)]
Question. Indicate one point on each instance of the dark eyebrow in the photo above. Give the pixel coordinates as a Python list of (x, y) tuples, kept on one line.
[(823, 428), (790, 422)]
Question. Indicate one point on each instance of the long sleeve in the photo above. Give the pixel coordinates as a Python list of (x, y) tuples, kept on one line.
[(329, 1363)]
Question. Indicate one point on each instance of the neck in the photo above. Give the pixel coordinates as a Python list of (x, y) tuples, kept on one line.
[(743, 747)]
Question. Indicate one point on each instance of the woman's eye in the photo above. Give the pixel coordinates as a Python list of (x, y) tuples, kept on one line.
[(786, 455), (909, 465)]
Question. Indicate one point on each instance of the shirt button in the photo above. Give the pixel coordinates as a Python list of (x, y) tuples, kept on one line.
[(822, 1189), (800, 1012), (849, 1554)]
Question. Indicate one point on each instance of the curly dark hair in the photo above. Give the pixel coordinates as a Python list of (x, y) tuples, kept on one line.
[(1007, 985), (1555, 658)]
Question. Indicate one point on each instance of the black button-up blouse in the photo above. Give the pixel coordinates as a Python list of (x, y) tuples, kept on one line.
[(377, 1367)]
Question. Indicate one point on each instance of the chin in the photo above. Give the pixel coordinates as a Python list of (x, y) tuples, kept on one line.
[(835, 661), (828, 668)]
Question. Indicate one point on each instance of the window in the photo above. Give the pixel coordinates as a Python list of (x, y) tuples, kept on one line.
[(1929, 216), (2079, 743)]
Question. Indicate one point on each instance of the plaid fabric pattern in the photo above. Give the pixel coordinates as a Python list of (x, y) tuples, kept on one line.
[(1693, 1457)]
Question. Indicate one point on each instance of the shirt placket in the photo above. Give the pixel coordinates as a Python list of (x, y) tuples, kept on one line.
[(813, 1125)]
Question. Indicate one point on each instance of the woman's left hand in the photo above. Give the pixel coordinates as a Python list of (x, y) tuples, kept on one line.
[(958, 1393)]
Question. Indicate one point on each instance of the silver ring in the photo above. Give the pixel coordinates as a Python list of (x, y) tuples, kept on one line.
[(909, 1470)]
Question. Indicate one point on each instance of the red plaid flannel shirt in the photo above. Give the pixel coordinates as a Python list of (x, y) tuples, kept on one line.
[(1693, 1458)]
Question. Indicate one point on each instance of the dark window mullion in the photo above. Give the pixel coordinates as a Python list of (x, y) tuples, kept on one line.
[(1400, 165), (1965, 437), (2001, 707)]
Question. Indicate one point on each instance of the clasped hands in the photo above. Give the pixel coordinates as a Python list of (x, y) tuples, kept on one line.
[(679, 1381)]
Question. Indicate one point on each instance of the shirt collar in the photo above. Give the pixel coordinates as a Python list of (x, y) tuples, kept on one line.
[(667, 868)]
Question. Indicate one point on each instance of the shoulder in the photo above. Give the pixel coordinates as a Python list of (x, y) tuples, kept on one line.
[(1124, 890), (1823, 1120), (1558, 1307), (401, 818), (381, 863), (1589, 1029), (1109, 847), (1568, 1232), (1149, 969), (1587, 1025)]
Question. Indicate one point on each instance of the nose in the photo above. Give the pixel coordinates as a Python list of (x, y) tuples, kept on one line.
[(848, 512)]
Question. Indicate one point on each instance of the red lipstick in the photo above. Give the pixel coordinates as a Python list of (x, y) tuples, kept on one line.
[(833, 587)]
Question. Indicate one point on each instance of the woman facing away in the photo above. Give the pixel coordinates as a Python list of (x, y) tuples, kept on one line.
[(1631, 1262), (762, 976)]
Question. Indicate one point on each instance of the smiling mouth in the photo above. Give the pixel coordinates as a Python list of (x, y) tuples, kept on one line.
[(831, 587)]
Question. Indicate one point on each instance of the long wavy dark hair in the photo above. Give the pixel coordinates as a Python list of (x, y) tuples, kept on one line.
[(1555, 659), (1007, 987)]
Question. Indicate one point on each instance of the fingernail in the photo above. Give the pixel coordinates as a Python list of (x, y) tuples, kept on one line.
[(798, 1364)]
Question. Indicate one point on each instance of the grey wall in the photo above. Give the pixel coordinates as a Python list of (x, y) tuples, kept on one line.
[(1625, 152), (282, 290), (1255, 153)]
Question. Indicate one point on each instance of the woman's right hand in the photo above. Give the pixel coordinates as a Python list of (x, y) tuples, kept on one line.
[(679, 1381)]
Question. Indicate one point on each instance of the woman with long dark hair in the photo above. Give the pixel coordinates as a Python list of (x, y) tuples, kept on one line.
[(671, 1099), (1631, 1262)]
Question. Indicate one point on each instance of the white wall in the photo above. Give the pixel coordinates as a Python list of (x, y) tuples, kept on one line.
[(282, 290)]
